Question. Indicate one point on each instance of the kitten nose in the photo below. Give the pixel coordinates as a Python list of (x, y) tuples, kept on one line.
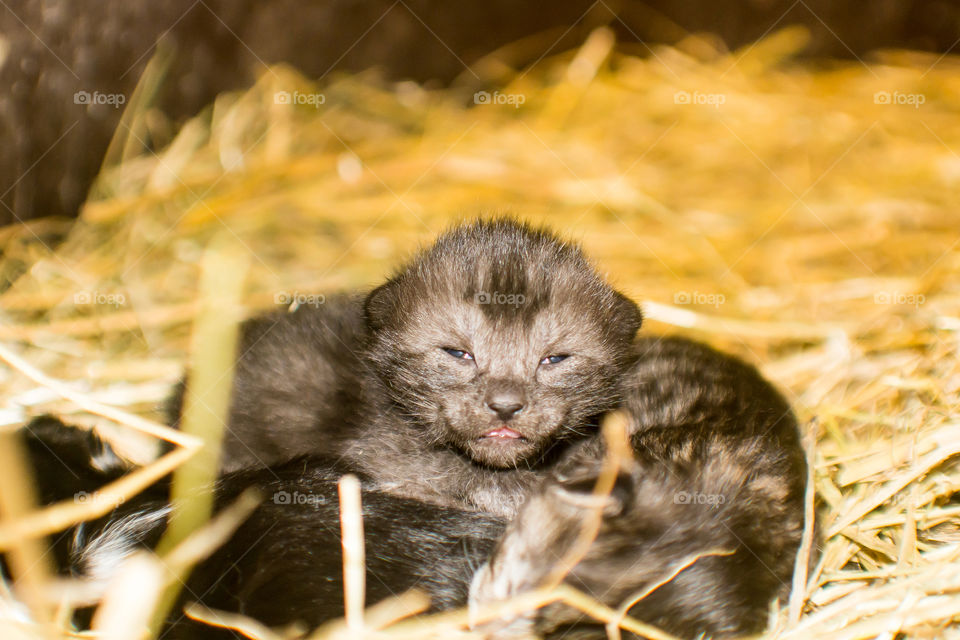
[(505, 404)]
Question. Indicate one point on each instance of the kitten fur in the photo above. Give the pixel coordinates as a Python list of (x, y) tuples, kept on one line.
[(719, 467), (373, 381), (476, 377), (283, 564)]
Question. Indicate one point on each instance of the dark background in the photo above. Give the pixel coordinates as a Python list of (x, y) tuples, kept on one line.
[(52, 148)]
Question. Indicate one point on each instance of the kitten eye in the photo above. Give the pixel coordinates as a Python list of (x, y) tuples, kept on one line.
[(554, 359), (460, 354)]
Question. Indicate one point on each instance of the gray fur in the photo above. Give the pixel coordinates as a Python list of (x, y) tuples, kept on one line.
[(385, 385), (371, 383), (718, 466)]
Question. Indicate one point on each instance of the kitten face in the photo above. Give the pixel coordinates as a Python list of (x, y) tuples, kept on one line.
[(499, 341)]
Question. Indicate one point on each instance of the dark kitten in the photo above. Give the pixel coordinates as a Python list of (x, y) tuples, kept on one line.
[(718, 467), (283, 564), (458, 381), (298, 386), (481, 370), (499, 341), (717, 470)]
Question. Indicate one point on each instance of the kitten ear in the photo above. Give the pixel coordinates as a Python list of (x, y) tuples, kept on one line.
[(380, 305), (626, 315)]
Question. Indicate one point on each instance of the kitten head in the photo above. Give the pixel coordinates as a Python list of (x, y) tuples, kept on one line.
[(500, 340)]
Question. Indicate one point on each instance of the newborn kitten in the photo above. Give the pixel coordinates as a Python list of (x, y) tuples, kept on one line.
[(717, 473), (480, 372), (460, 380), (283, 564), (719, 470)]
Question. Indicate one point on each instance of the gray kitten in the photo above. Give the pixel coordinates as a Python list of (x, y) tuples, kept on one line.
[(718, 471), (476, 378), (459, 381)]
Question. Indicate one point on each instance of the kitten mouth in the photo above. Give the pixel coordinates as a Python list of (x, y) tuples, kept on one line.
[(501, 447), (503, 433)]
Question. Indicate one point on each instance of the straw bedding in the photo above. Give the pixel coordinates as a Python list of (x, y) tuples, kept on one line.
[(801, 215)]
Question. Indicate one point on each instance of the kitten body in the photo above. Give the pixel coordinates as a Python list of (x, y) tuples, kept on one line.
[(459, 381), (718, 473), (718, 470), (283, 564), (476, 377)]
